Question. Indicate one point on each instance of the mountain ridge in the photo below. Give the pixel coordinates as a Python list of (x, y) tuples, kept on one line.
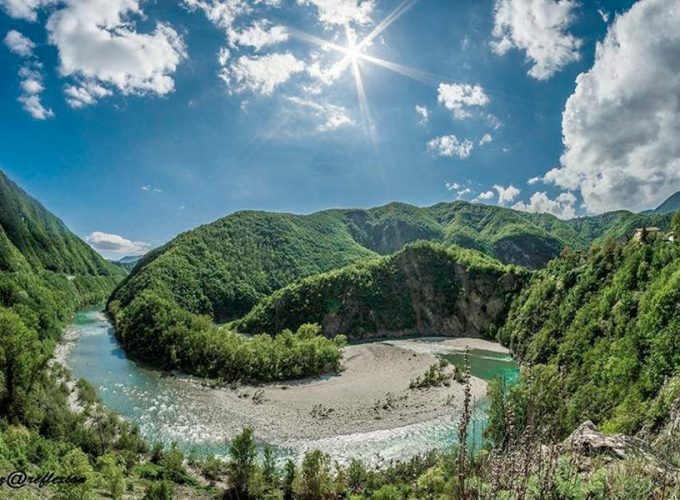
[(224, 268)]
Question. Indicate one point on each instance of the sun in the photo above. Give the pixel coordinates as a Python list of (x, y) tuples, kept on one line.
[(352, 52)]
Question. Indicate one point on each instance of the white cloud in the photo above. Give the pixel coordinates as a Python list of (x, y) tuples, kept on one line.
[(486, 138), (562, 206), (540, 29), (330, 116), (486, 195), (458, 97), (262, 73), (604, 15), (31, 84), (423, 113), (106, 242), (621, 125), (534, 180), (84, 94), (506, 194), (24, 9), (450, 145), (259, 35), (98, 45), (19, 44), (33, 105), (222, 13), (342, 12), (453, 186), (149, 188)]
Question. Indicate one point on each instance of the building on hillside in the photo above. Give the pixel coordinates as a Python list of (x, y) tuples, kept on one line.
[(641, 233)]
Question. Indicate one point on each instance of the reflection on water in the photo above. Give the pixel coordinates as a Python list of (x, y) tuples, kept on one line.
[(175, 409)]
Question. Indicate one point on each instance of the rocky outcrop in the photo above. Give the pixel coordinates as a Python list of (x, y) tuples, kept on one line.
[(587, 440)]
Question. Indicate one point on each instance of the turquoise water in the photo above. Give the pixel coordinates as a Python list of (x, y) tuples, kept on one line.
[(171, 409)]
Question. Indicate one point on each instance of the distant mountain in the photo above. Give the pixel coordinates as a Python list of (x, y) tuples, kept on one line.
[(129, 259), (224, 268), (672, 204)]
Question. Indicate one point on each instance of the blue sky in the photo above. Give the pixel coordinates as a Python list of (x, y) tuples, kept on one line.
[(135, 120)]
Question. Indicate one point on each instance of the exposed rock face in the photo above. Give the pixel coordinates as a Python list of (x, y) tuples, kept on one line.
[(587, 440), (425, 289)]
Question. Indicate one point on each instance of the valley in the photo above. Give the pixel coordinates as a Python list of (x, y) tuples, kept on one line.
[(367, 411)]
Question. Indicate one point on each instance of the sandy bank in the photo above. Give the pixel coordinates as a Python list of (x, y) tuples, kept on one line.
[(369, 400)]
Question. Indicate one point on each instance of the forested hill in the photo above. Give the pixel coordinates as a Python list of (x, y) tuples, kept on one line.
[(46, 271), (424, 288), (224, 268), (30, 233), (602, 332)]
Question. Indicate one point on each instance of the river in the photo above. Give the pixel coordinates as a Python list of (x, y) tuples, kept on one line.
[(178, 409)]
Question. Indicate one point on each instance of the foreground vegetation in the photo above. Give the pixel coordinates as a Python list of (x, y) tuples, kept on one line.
[(600, 331)]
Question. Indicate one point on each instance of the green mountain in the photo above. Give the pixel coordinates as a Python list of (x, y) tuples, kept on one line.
[(601, 330), (46, 271), (424, 288), (224, 268), (672, 204)]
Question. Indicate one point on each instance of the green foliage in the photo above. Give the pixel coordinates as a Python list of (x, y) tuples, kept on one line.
[(224, 268), (435, 376), (242, 454), (155, 330), (606, 323), (424, 287), (315, 478)]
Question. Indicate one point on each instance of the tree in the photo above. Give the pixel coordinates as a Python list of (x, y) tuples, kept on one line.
[(21, 362), (315, 480), (242, 453), (112, 474), (675, 224)]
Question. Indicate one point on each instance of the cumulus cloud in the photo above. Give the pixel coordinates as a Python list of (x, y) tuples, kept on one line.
[(534, 180), (19, 44), (259, 35), (222, 13), (486, 196), (450, 145), (342, 12), (84, 94), (98, 45), (540, 29), (486, 139), (459, 97), (330, 116), (113, 243), (621, 125), (423, 113), (562, 206), (262, 74), (506, 194), (24, 9), (31, 84)]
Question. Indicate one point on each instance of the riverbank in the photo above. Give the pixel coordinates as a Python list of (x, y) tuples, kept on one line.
[(371, 395), (367, 410)]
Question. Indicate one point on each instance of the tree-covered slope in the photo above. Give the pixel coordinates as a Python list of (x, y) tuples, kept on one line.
[(426, 288), (41, 238), (224, 268), (603, 329), (46, 271)]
